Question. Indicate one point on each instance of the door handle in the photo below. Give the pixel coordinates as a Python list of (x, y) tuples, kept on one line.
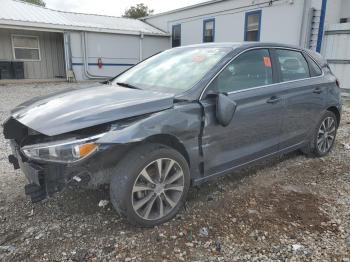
[(317, 90), (273, 100)]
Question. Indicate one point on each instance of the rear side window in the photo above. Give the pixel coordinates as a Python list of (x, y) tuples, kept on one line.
[(293, 65), (315, 70), (251, 69)]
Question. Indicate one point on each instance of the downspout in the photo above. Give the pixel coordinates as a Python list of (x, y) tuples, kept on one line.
[(141, 47), (85, 59), (67, 52), (321, 28), (305, 25)]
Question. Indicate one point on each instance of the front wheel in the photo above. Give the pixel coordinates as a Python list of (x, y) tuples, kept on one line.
[(150, 185), (324, 136)]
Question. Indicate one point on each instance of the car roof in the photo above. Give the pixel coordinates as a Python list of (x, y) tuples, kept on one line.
[(241, 45), (237, 48)]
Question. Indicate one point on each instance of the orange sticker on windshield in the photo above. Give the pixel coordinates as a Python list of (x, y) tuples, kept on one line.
[(199, 58), (267, 61)]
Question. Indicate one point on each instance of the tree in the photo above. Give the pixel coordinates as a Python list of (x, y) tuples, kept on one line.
[(140, 10), (36, 2)]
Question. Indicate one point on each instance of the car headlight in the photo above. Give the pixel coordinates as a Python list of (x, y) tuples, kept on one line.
[(65, 151)]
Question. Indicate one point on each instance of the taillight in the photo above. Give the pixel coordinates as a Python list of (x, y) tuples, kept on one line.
[(337, 83)]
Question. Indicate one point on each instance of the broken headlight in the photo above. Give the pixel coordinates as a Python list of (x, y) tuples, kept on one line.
[(65, 151)]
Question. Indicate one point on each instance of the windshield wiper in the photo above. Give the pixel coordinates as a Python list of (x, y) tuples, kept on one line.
[(107, 82), (128, 85)]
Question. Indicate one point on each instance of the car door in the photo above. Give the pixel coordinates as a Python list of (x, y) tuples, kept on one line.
[(303, 95), (255, 129)]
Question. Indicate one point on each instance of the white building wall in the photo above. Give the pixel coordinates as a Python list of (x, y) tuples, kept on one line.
[(154, 44), (336, 50), (51, 64), (191, 32), (117, 52), (345, 9), (333, 11), (336, 40), (281, 22), (228, 28), (337, 9), (317, 3), (164, 21)]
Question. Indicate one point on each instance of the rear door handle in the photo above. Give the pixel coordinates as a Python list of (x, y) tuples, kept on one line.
[(317, 90), (273, 100)]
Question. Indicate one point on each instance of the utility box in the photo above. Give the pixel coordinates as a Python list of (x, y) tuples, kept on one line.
[(11, 70), (18, 70), (5, 70)]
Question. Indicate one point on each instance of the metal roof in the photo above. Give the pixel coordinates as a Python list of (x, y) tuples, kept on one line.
[(210, 2), (18, 13)]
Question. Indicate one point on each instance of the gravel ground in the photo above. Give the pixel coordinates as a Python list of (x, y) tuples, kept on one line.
[(290, 208)]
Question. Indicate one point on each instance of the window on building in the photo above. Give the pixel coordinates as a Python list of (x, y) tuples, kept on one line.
[(26, 48), (344, 20), (176, 36), (251, 69), (252, 26), (293, 65), (208, 30)]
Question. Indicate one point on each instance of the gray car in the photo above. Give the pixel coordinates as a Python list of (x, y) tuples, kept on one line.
[(177, 119)]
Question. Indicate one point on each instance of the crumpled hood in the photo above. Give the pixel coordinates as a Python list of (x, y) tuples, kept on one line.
[(81, 108)]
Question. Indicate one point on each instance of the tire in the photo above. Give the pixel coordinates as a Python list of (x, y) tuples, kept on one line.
[(129, 179), (313, 148)]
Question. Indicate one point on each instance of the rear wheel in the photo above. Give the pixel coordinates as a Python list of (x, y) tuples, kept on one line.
[(324, 136), (150, 185)]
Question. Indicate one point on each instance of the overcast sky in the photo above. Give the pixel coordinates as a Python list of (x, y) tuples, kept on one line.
[(115, 7)]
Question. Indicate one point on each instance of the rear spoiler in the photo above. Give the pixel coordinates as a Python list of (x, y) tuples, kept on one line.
[(318, 58)]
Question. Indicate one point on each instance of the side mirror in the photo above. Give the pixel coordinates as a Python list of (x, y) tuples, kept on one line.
[(225, 109)]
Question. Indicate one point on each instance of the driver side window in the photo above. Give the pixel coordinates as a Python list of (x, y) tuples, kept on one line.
[(251, 69)]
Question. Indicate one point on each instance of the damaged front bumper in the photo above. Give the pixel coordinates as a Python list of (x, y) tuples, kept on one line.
[(44, 179)]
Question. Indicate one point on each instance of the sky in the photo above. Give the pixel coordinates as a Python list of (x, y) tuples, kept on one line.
[(115, 7)]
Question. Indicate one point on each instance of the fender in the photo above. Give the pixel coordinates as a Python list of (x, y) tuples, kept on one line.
[(182, 122)]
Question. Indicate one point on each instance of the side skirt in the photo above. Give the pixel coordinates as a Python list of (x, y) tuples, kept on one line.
[(295, 147)]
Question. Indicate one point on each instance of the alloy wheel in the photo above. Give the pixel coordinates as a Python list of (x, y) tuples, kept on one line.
[(326, 134), (158, 189)]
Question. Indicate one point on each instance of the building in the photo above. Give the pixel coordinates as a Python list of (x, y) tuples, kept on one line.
[(306, 23), (40, 43), (286, 21), (336, 42)]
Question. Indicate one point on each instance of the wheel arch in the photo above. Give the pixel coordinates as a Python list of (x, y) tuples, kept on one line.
[(170, 141), (335, 110)]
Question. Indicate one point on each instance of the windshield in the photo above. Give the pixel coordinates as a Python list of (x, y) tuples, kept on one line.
[(173, 71)]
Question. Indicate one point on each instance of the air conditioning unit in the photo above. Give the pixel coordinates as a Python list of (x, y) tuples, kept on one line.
[(11, 70)]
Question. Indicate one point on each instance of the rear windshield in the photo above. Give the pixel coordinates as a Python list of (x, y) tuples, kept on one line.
[(173, 71)]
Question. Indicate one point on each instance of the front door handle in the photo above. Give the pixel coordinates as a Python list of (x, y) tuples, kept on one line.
[(317, 90), (273, 100)]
